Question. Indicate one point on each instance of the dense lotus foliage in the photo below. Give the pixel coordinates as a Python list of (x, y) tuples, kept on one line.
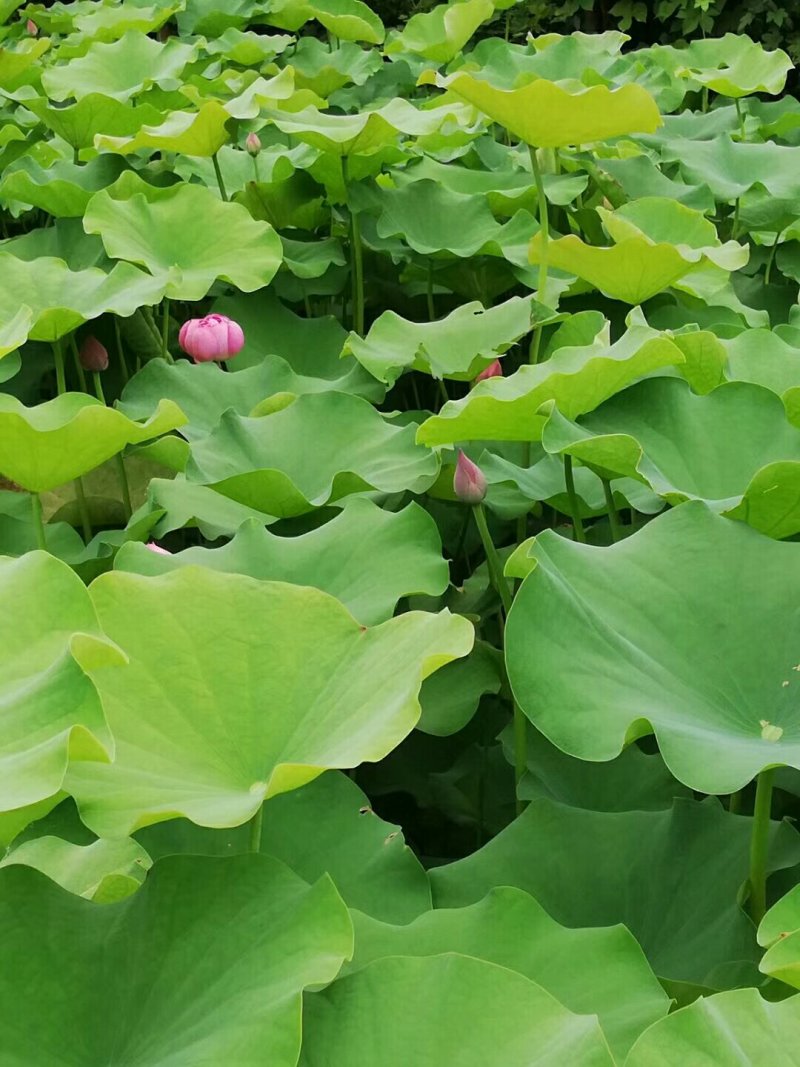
[(399, 542)]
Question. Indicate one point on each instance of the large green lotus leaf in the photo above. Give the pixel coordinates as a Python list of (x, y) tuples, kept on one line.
[(121, 70), (663, 220), (250, 49), (165, 237), (779, 933), (207, 17), (63, 189), (727, 1030), (591, 972), (290, 685), (729, 168), (44, 446), (245, 98), (404, 1010), (706, 684), (105, 23), (13, 333), (51, 711), (545, 114), (632, 270), (441, 33), (63, 239), (61, 299), (680, 444), (457, 346), (577, 378), (317, 450), (349, 20), (92, 114), (765, 358), (174, 503), (323, 71), (734, 65), (327, 827), (164, 949), (639, 176), (366, 557), (367, 132), (105, 870), (671, 877), (194, 133)]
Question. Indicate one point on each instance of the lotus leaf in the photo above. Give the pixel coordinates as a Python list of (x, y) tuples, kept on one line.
[(302, 683), (250, 49), (51, 711), (578, 379), (163, 236), (320, 449), (458, 346), (247, 918), (63, 190), (432, 1004), (671, 877), (44, 446), (351, 20), (726, 1030), (730, 168), (706, 705), (735, 66), (195, 133), (450, 697), (120, 70), (103, 871), (366, 557), (591, 972), (439, 34), (104, 23), (548, 116)]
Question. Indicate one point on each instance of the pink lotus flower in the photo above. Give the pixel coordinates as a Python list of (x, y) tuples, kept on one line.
[(216, 337), (253, 144), (157, 548), (32, 28), (93, 355), (494, 370), (469, 483)]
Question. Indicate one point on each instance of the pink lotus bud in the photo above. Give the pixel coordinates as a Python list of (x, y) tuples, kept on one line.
[(215, 337), (157, 548), (494, 370), (253, 144), (32, 28), (469, 483), (93, 355)]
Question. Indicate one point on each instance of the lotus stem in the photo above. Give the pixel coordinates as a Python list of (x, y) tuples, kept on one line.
[(611, 508), (165, 331), (77, 360), (255, 829), (704, 100), (759, 845), (222, 190), (38, 521), (544, 229), (356, 258), (771, 257), (58, 359), (443, 391), (577, 522), (431, 306), (740, 116), (120, 351), (735, 802)]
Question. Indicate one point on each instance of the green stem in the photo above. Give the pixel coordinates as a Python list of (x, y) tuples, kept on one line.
[(759, 845), (124, 485), (120, 351), (222, 191), (431, 307), (544, 229), (611, 508), (496, 575), (76, 356), (704, 104), (771, 257), (38, 521), (577, 522), (443, 391), (165, 331), (255, 168), (98, 387), (83, 510), (735, 226), (255, 830), (735, 802), (58, 357)]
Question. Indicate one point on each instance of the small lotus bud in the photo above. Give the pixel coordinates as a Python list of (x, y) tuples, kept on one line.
[(32, 28), (469, 483), (253, 144), (93, 355), (157, 548), (216, 337), (494, 370)]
